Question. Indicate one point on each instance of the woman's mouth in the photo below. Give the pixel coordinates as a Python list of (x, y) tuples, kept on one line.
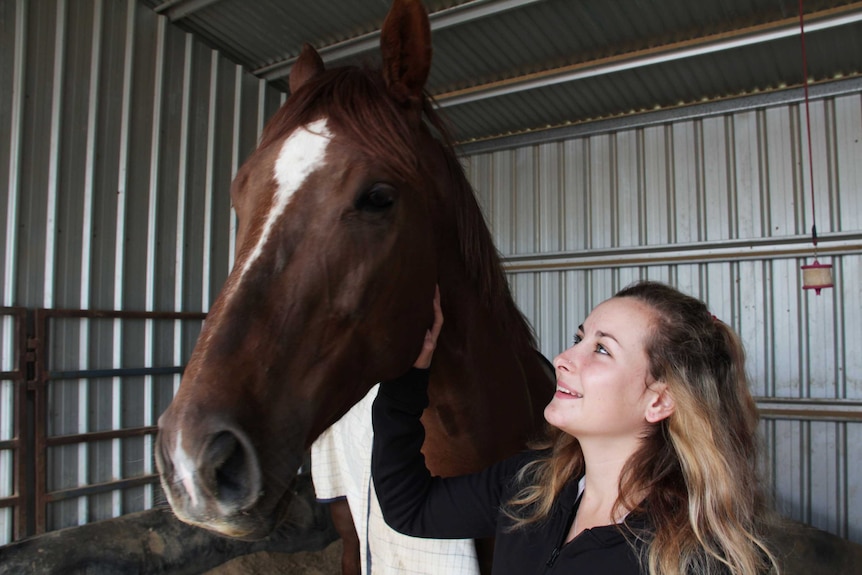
[(568, 392)]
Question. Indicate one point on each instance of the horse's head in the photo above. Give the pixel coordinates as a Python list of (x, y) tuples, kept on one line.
[(331, 289)]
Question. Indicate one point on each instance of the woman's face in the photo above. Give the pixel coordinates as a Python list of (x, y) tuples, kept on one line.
[(602, 380)]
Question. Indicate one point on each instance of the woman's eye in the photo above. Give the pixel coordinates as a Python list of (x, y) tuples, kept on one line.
[(601, 349), (576, 339)]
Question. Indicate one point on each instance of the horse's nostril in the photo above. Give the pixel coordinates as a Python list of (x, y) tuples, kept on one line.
[(232, 472)]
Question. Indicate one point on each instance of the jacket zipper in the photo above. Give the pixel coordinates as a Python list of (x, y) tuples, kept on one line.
[(562, 540)]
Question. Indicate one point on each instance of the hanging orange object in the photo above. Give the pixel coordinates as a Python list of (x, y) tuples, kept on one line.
[(817, 276)]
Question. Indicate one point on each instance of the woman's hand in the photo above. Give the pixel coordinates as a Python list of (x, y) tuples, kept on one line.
[(430, 343)]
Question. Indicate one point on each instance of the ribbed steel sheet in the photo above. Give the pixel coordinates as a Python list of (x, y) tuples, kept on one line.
[(519, 66), (719, 206), (119, 136)]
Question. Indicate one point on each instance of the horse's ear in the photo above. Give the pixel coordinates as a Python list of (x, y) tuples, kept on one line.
[(405, 43), (307, 66)]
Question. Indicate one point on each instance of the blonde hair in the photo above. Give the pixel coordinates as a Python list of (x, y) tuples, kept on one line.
[(698, 467)]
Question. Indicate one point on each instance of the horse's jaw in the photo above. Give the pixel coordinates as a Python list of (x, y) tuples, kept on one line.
[(247, 526)]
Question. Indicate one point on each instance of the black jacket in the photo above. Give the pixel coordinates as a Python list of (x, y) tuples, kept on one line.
[(414, 503)]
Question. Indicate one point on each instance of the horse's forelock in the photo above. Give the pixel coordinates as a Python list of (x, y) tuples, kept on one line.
[(356, 104)]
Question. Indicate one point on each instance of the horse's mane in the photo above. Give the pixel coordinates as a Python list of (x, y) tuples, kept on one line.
[(355, 99), (481, 257)]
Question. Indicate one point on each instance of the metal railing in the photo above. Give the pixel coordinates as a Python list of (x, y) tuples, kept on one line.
[(15, 335), (33, 375)]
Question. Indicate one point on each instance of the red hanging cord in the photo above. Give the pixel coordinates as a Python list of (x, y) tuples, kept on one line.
[(808, 129)]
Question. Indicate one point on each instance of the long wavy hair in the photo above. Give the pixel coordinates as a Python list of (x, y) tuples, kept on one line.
[(695, 473)]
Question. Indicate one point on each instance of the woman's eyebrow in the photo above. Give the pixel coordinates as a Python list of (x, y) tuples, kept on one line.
[(607, 335), (600, 334)]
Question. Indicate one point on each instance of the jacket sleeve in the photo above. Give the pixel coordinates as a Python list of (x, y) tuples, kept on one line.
[(413, 502)]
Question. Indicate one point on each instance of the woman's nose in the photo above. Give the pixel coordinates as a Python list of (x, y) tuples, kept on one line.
[(565, 360)]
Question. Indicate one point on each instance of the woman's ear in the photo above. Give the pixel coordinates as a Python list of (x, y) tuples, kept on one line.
[(661, 404)]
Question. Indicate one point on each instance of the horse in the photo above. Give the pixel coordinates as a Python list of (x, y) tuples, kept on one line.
[(353, 207)]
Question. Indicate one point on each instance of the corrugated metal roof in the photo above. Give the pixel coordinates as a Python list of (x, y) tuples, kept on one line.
[(513, 66)]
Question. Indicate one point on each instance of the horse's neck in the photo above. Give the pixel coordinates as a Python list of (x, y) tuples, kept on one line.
[(487, 389)]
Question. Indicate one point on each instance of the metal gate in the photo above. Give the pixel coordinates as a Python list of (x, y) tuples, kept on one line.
[(14, 449), (60, 466)]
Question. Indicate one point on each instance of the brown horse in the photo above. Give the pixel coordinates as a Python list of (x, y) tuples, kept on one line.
[(351, 210)]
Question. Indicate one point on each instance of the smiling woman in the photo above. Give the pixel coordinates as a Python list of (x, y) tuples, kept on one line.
[(649, 466), (604, 389)]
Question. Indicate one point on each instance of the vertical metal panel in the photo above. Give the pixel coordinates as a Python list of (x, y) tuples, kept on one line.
[(500, 208), (12, 46), (7, 434), (145, 391), (548, 197), (13, 37), (114, 174), (628, 208), (15, 483), (223, 98), (853, 467), (846, 205), (573, 209), (746, 165), (54, 153), (117, 359), (235, 154), (688, 218), (782, 152), (735, 180)]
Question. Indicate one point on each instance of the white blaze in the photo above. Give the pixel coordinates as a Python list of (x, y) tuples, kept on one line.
[(301, 154), (185, 470)]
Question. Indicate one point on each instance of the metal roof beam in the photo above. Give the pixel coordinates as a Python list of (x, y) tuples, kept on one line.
[(817, 21), (179, 9), (447, 18), (494, 143)]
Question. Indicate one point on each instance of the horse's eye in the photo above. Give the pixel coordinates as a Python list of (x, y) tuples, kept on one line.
[(376, 198)]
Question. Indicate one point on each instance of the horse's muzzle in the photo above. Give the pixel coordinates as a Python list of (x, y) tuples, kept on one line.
[(213, 481)]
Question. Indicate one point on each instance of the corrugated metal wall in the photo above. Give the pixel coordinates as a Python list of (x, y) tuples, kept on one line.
[(716, 207), (119, 136)]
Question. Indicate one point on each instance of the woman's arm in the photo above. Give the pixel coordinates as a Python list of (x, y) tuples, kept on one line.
[(413, 502)]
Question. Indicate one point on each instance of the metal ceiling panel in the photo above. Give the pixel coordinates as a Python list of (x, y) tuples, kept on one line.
[(741, 71), (516, 66)]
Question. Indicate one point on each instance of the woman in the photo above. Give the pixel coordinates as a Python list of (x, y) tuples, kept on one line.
[(649, 465)]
